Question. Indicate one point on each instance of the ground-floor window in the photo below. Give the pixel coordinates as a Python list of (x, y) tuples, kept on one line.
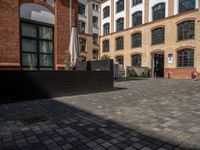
[(136, 60), (37, 46), (120, 60), (185, 58), (95, 54)]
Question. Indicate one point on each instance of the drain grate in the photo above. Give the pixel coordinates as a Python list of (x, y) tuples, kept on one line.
[(33, 120)]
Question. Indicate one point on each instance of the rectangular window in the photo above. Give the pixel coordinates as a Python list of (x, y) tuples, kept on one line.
[(136, 40), (158, 36), (106, 12), (120, 6), (106, 46), (106, 29), (37, 46), (119, 43), (81, 9), (95, 21)]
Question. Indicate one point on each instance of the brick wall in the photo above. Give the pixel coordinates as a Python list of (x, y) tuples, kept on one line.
[(177, 73), (10, 31), (9, 34)]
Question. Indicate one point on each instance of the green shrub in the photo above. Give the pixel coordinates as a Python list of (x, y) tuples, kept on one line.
[(67, 65), (146, 73), (105, 57), (131, 73)]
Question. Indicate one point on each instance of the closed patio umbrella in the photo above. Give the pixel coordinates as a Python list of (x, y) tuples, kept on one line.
[(74, 48)]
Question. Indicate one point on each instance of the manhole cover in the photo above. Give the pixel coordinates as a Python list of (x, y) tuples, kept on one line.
[(33, 120)]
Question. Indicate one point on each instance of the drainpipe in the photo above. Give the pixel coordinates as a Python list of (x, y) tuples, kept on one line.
[(70, 15)]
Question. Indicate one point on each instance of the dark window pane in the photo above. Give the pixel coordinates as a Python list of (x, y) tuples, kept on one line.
[(120, 5), (95, 38), (29, 30), (82, 45), (29, 60), (159, 11), (29, 45), (46, 47), (106, 29), (186, 5), (106, 46), (119, 43), (136, 60), (120, 24), (46, 33), (158, 36), (136, 2), (81, 9), (46, 60), (81, 27), (185, 58), (137, 18), (186, 30), (136, 40), (106, 12)]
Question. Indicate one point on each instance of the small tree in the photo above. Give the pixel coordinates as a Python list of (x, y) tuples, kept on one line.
[(105, 57)]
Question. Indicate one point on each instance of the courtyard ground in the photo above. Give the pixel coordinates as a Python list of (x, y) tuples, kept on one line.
[(152, 114)]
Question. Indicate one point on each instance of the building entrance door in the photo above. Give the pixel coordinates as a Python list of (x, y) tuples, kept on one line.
[(158, 65)]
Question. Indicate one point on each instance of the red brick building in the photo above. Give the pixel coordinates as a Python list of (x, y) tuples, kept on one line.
[(34, 34)]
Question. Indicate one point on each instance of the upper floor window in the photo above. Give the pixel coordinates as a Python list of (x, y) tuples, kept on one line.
[(95, 38), (120, 60), (81, 9), (185, 58), (95, 7), (159, 11), (137, 18), (106, 29), (95, 21), (136, 60), (136, 40), (82, 44), (106, 46), (106, 12), (158, 36), (119, 43), (186, 30), (120, 24), (81, 27), (186, 5), (119, 5), (136, 2)]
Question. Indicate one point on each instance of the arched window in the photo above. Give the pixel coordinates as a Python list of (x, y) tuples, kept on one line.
[(185, 58), (186, 30), (136, 60), (37, 46), (120, 60), (106, 12), (136, 2), (119, 6), (120, 24), (158, 11), (136, 40), (137, 18), (106, 28), (106, 46), (158, 36), (186, 5), (120, 43), (82, 44)]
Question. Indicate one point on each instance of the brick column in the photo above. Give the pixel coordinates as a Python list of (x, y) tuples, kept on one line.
[(9, 38), (146, 11), (112, 15), (62, 30)]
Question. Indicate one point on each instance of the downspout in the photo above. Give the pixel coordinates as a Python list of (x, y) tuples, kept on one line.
[(70, 15)]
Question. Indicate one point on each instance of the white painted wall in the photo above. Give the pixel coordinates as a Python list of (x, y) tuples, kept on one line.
[(133, 9), (108, 19), (153, 3), (176, 7), (36, 12), (118, 15), (97, 14)]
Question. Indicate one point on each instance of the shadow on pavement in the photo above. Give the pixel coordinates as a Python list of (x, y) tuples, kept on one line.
[(70, 128)]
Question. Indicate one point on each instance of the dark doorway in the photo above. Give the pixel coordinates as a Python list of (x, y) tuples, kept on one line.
[(158, 65)]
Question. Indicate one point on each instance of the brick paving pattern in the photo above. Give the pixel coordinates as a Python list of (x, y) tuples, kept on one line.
[(149, 114)]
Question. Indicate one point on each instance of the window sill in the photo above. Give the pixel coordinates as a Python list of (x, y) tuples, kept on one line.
[(185, 40), (157, 44)]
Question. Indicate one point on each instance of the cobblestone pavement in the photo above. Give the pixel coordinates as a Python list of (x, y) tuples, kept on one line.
[(149, 114)]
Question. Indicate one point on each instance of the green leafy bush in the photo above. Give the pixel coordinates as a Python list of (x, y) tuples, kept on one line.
[(67, 65), (131, 73), (105, 57), (146, 73)]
